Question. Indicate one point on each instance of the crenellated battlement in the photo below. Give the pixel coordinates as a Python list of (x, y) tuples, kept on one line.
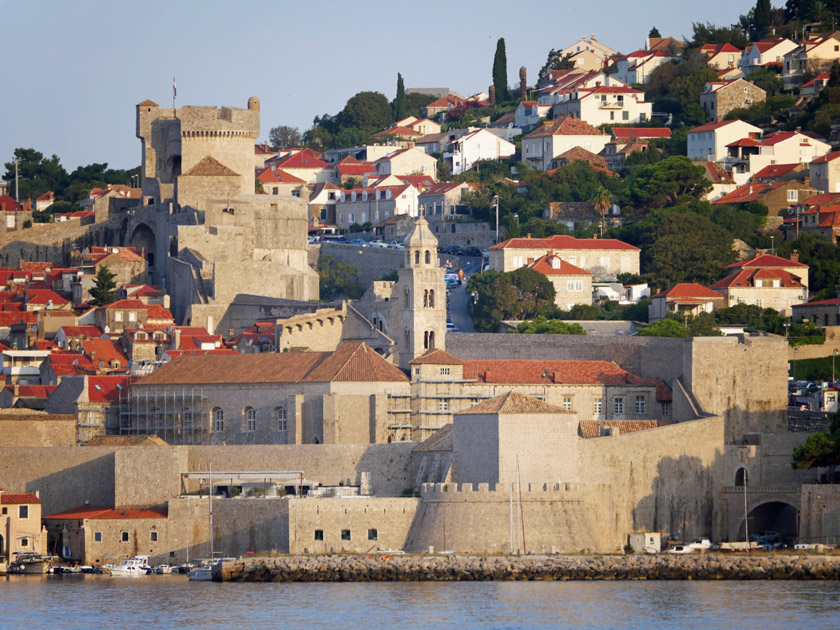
[(484, 492)]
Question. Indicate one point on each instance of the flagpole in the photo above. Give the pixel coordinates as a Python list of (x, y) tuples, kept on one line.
[(174, 92)]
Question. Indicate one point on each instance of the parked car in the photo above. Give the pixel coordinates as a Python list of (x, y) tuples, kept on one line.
[(396, 245), (378, 242), (359, 241), (450, 327), (472, 251)]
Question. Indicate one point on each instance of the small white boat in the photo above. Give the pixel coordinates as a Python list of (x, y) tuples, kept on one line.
[(202, 573), (132, 567), (163, 569)]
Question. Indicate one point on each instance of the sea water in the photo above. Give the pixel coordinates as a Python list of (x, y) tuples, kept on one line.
[(94, 601)]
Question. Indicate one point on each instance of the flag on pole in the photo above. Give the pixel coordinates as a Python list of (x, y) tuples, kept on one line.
[(174, 89)]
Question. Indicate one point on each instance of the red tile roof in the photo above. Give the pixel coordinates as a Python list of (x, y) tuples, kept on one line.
[(641, 132), (278, 176), (511, 402), (90, 332), (565, 126), (776, 170), (592, 428), (747, 277), (828, 157), (831, 302), (562, 241), (713, 125), (43, 297), (551, 265), (749, 192), (301, 160), (33, 391), (18, 497), (766, 260), (108, 389), (104, 350), (10, 319), (105, 513), (548, 371), (688, 290), (436, 357)]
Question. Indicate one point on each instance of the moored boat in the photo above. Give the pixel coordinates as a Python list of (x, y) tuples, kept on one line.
[(163, 569), (131, 567), (31, 564)]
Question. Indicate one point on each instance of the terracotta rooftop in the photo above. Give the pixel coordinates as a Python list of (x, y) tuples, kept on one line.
[(512, 402), (565, 126), (688, 290), (766, 260), (18, 497), (550, 371), (747, 278), (562, 241), (126, 440), (591, 428), (641, 132), (210, 167), (350, 362), (436, 357), (551, 265), (105, 513)]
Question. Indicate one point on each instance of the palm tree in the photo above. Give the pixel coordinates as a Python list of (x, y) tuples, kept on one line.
[(602, 203)]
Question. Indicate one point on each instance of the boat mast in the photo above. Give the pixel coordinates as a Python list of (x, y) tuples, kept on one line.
[(211, 511)]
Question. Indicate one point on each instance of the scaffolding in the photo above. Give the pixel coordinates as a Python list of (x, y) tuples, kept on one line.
[(177, 414)]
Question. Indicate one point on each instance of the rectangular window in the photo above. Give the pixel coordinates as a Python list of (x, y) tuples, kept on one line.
[(154, 536), (625, 115), (444, 371), (666, 409), (598, 408), (118, 316), (23, 511), (319, 534), (97, 536), (618, 406), (132, 316), (640, 405), (793, 195), (373, 534), (567, 403), (252, 424), (4, 511), (443, 405), (345, 534), (123, 536)]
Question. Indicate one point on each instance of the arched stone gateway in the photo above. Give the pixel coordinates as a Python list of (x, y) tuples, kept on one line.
[(769, 508), (143, 237)]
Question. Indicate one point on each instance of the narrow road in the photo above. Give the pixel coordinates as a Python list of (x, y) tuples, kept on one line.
[(458, 298)]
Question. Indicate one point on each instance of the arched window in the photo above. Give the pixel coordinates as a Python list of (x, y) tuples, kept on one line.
[(426, 299), (250, 419), (407, 299), (417, 257), (741, 476), (280, 416), (316, 441), (428, 257), (218, 420), (429, 340), (431, 298)]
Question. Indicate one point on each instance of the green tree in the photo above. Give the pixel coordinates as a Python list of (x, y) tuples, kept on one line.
[(500, 80), (542, 326), (654, 32), (400, 107), (663, 183), (820, 449), (521, 294), (685, 247), (415, 102), (762, 17), (104, 287), (366, 111), (36, 174), (338, 279), (665, 328), (284, 137), (703, 325)]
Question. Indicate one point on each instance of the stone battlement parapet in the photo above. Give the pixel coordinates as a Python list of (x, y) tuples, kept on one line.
[(483, 492)]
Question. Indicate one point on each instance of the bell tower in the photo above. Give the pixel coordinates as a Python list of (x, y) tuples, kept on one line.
[(419, 298)]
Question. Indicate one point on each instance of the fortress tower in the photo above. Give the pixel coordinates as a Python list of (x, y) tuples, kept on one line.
[(179, 141), (419, 298)]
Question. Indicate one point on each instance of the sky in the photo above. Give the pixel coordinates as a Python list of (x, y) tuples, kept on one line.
[(73, 71)]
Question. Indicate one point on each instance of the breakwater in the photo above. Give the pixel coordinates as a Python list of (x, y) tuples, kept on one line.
[(383, 568)]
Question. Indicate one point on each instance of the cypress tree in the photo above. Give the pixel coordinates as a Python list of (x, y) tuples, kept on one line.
[(762, 16), (500, 81), (399, 100)]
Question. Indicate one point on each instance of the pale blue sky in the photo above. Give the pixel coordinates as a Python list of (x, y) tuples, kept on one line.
[(74, 70)]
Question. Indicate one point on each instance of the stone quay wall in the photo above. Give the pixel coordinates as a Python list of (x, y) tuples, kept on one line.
[(390, 568)]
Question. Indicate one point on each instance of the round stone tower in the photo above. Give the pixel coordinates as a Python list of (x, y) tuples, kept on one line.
[(254, 104)]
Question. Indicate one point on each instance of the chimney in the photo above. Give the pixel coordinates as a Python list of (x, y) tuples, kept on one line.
[(16, 389), (37, 494), (529, 235), (794, 256), (530, 261), (487, 375), (177, 339)]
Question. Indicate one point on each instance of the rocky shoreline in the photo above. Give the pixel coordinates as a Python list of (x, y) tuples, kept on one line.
[(405, 568)]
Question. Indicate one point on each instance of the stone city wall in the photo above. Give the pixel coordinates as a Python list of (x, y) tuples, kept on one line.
[(19, 427), (819, 514)]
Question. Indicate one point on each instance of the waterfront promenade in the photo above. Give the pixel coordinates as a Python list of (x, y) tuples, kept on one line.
[(393, 568)]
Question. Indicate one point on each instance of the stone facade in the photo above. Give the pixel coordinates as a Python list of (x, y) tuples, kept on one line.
[(718, 99)]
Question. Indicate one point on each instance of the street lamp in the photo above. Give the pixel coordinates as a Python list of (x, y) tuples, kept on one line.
[(787, 328), (773, 245), (795, 352), (833, 356), (496, 203)]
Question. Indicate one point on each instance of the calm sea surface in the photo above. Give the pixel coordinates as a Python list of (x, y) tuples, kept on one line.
[(91, 601)]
